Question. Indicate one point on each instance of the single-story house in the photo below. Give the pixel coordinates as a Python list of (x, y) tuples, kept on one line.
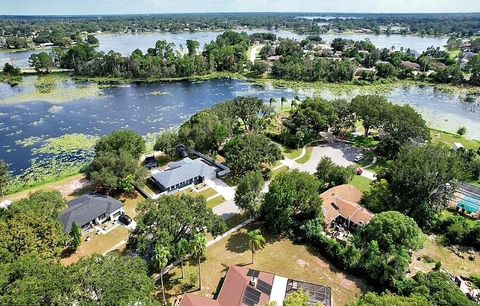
[(340, 206), (411, 65), (187, 172), (89, 210), (247, 287)]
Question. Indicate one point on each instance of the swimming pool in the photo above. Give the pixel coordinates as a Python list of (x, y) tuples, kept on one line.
[(469, 203)]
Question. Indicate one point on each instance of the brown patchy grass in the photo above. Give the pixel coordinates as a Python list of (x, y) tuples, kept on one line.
[(450, 262), (65, 186), (281, 257), (98, 244)]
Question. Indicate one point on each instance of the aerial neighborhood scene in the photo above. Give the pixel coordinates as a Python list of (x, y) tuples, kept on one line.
[(240, 153)]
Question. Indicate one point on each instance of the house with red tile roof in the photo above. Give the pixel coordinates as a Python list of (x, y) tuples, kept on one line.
[(247, 287), (340, 206)]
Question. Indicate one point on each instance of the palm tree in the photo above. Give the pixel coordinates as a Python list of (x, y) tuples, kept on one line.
[(272, 101), (181, 250), (282, 101), (160, 257), (198, 247), (256, 241)]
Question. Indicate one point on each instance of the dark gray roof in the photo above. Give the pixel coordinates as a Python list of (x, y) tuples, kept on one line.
[(86, 208), (183, 171)]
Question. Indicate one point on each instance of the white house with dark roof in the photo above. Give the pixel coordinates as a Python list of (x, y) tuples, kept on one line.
[(184, 173), (89, 210), (187, 171)]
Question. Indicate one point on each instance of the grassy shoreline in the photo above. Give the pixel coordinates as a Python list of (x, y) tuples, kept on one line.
[(49, 184), (205, 77)]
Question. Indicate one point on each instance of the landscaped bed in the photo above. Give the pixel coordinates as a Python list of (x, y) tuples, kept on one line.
[(215, 201), (305, 158)]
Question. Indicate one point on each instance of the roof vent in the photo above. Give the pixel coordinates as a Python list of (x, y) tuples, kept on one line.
[(253, 282)]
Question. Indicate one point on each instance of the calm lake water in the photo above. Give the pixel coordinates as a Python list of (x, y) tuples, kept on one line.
[(126, 43), (150, 108)]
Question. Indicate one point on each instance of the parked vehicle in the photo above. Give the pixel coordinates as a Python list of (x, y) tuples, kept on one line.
[(359, 158), (125, 219)]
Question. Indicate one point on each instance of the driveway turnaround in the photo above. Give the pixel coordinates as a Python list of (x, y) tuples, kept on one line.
[(340, 153)]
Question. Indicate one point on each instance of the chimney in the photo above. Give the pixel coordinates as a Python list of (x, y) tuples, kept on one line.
[(253, 282)]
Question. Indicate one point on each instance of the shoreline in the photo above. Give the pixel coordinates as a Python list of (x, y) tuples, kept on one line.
[(260, 30)]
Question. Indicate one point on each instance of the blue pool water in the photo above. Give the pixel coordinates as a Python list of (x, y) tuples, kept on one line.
[(470, 204)]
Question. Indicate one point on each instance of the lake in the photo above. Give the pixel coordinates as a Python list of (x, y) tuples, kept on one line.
[(126, 43), (149, 108)]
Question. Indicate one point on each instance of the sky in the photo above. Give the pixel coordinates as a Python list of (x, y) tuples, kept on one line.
[(85, 7)]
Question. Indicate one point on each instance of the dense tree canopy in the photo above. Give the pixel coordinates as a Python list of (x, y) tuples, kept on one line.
[(410, 187), (437, 287), (372, 299), (116, 163), (292, 197), (310, 118), (392, 230), (330, 174), (24, 225), (249, 152), (169, 219), (5, 177), (203, 132), (248, 193), (112, 280), (167, 142), (122, 140)]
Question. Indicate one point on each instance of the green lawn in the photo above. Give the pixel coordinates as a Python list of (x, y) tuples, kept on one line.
[(362, 183), (291, 153), (215, 202), (449, 139), (278, 170), (364, 142), (306, 157)]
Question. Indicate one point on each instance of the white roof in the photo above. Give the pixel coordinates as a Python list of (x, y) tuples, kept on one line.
[(457, 145), (278, 289), (5, 204)]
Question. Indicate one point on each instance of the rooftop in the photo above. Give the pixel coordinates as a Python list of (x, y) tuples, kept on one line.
[(343, 201), (184, 170), (86, 208), (247, 287)]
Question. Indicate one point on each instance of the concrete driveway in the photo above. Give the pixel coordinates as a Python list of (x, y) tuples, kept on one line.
[(228, 208), (340, 153)]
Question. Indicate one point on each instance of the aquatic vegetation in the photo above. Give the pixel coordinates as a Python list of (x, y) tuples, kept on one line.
[(52, 89), (55, 109), (45, 84), (158, 93), (70, 143), (29, 141)]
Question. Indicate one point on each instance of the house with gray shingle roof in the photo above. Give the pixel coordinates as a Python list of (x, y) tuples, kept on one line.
[(186, 172), (183, 173), (89, 210)]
